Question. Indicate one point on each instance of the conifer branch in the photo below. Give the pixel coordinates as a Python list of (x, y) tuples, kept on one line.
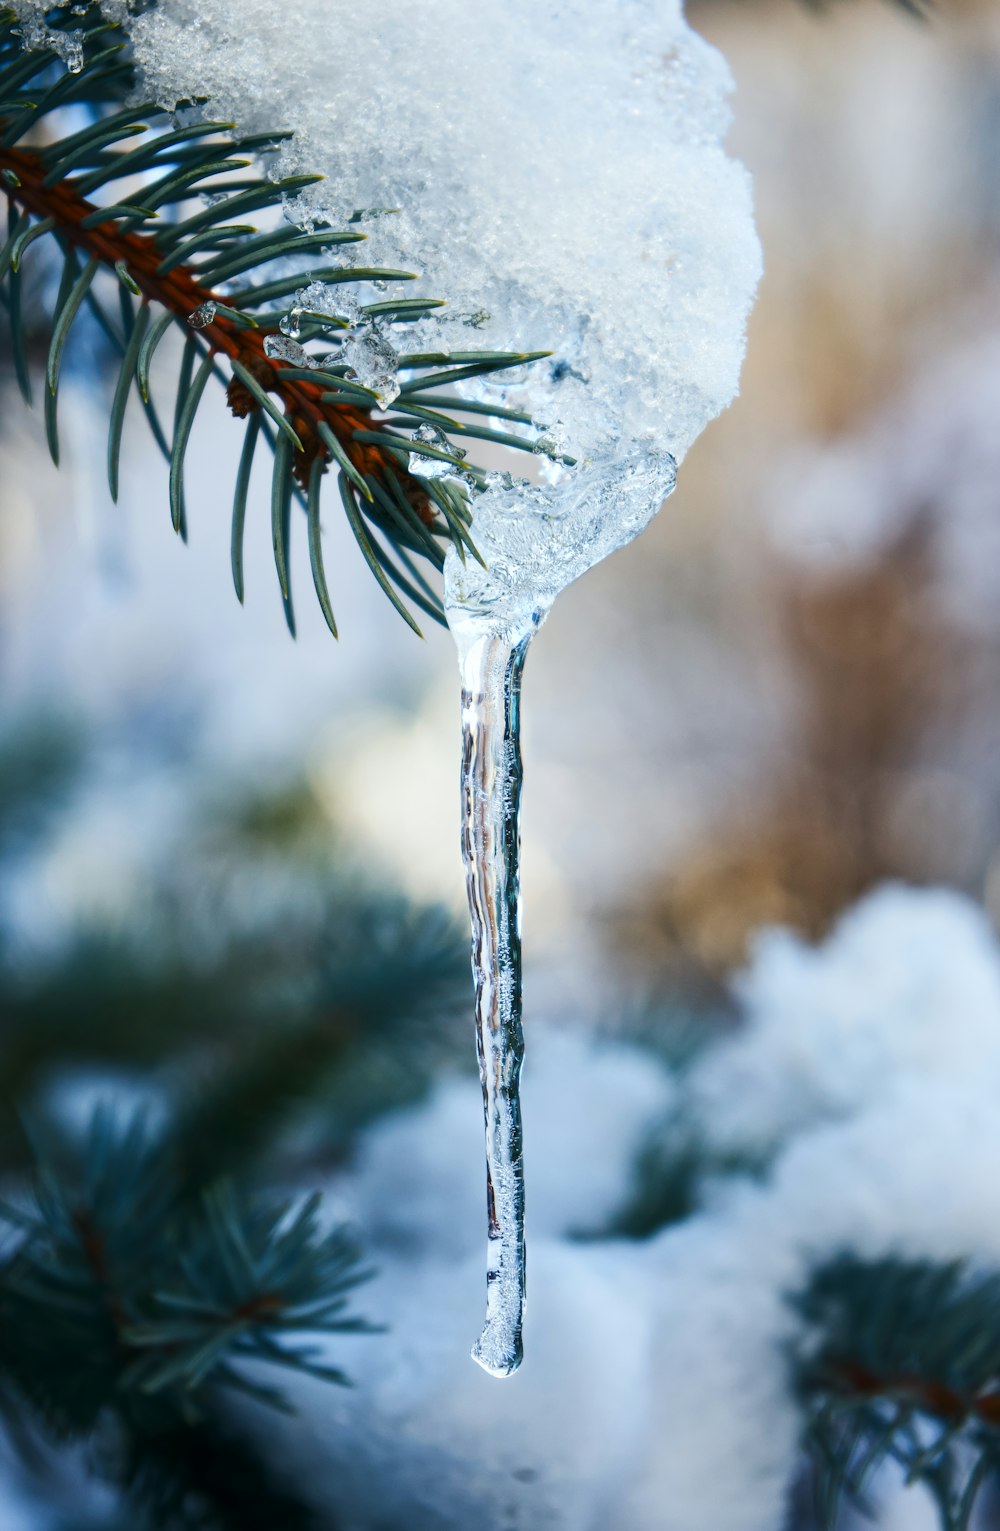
[(128, 1304), (180, 265), (157, 1294), (902, 1364)]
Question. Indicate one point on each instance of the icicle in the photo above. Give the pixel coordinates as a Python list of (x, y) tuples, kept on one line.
[(492, 662)]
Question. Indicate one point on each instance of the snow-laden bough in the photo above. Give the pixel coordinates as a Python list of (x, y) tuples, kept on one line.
[(558, 170)]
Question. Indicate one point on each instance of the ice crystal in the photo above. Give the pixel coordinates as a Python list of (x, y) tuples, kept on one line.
[(281, 348), (201, 317), (373, 361), (329, 299), (37, 34), (423, 465), (535, 540)]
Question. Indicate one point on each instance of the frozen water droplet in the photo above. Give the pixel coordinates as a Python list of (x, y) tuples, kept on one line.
[(373, 362), (202, 316), (290, 324), (552, 444), (297, 211), (422, 466), (330, 298), (281, 348), (497, 480), (36, 34)]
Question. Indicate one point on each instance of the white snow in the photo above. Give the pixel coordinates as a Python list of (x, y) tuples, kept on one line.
[(558, 166), (655, 1393), (907, 986), (919, 1177), (556, 173)]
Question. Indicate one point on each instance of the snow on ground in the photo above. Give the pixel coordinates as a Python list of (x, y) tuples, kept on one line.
[(654, 1394), (907, 986)]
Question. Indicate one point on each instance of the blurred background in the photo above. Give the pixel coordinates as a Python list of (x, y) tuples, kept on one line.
[(787, 694)]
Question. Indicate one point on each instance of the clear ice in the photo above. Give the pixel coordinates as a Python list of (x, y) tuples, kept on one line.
[(282, 348), (535, 541), (373, 361), (422, 465), (201, 317), (36, 34), (492, 662), (328, 300)]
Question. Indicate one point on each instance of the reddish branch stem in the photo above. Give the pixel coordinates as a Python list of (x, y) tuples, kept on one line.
[(94, 1252), (929, 1395), (181, 292), (259, 1309)]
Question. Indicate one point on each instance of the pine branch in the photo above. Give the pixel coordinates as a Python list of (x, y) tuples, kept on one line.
[(36, 771), (381, 989), (903, 1364), (122, 1297), (341, 1000), (173, 1293), (216, 279)]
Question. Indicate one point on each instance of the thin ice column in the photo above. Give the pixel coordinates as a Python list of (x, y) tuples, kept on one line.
[(492, 663)]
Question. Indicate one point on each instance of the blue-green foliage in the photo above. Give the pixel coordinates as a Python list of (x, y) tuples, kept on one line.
[(902, 1365)]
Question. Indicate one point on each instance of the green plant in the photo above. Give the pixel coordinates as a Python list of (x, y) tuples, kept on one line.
[(903, 1367)]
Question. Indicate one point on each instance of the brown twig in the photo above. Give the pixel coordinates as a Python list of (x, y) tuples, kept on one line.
[(180, 291), (928, 1394)]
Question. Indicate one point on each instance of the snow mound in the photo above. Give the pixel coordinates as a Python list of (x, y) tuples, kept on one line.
[(556, 172), (907, 986), (657, 1394)]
